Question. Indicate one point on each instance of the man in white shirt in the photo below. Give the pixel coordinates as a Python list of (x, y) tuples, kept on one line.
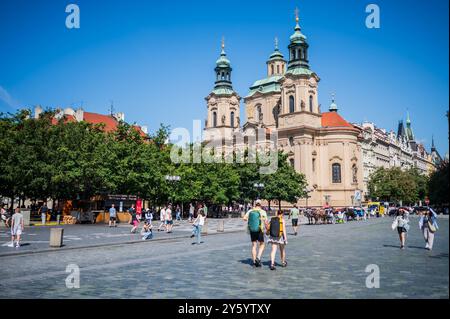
[(162, 217), (169, 220)]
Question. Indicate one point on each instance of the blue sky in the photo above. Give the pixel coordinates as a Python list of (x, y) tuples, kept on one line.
[(155, 59)]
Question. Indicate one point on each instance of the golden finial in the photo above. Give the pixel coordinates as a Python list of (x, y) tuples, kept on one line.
[(296, 15), (223, 43)]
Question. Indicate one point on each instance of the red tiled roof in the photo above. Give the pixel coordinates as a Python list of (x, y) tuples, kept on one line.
[(333, 119), (67, 118), (94, 118)]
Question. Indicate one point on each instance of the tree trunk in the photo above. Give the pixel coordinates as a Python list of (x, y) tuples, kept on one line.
[(279, 204)]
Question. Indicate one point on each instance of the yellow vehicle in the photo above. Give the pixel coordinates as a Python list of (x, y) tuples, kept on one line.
[(377, 207)]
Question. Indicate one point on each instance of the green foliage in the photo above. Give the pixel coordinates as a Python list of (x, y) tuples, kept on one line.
[(439, 184), (395, 184)]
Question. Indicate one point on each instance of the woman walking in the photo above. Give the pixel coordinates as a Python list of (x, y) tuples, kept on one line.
[(198, 225), (134, 219), (278, 238), (401, 223), (428, 225)]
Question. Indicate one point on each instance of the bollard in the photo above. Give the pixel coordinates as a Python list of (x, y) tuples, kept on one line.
[(205, 228), (221, 226), (56, 237)]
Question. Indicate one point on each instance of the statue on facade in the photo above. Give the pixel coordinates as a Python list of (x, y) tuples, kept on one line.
[(355, 174), (223, 119)]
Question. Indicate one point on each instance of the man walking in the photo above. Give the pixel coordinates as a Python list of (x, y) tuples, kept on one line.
[(191, 212), (16, 228), (294, 213), (112, 216), (162, 218), (256, 219), (169, 219)]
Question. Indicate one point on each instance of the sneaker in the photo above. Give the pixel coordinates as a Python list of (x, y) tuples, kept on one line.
[(427, 246), (272, 267), (17, 244)]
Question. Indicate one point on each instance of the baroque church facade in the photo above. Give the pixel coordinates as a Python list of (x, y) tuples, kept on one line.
[(321, 145)]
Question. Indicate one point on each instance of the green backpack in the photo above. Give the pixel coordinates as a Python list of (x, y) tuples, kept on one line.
[(254, 221)]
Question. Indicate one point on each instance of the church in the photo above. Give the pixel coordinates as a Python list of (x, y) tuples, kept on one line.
[(321, 145)]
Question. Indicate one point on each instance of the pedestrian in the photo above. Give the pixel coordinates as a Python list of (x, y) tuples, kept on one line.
[(5, 217), (169, 219), (147, 232), (16, 228), (112, 216), (294, 213), (428, 225), (256, 219), (134, 220), (178, 213), (197, 226), (148, 216), (43, 211), (401, 223), (278, 238), (191, 212), (162, 218), (58, 215)]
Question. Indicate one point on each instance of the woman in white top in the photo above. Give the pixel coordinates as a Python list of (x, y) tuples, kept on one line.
[(401, 222), (198, 225)]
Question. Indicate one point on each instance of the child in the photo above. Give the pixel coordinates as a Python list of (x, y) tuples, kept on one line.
[(147, 232)]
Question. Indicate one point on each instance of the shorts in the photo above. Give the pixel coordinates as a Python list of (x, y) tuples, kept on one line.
[(112, 218), (277, 240), (401, 230), (16, 231), (294, 222), (135, 223), (169, 222), (257, 236)]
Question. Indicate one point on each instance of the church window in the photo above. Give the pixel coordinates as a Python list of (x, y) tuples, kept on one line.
[(278, 69), (292, 162), (291, 104), (336, 172), (271, 68), (311, 103), (291, 141), (232, 119), (214, 119), (314, 164)]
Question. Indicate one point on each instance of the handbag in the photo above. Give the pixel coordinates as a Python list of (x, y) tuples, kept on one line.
[(394, 224), (431, 227)]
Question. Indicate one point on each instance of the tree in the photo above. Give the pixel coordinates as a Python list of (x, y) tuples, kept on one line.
[(285, 184), (439, 185)]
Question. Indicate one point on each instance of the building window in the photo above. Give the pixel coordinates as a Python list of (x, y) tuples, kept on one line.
[(278, 69), (336, 172), (310, 103), (232, 119), (291, 104), (314, 164), (272, 69), (282, 68), (259, 113), (214, 119), (292, 162)]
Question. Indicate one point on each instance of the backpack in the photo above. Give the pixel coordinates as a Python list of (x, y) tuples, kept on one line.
[(276, 227), (254, 221)]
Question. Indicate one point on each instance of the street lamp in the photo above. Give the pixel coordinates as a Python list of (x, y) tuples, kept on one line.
[(173, 179), (259, 187)]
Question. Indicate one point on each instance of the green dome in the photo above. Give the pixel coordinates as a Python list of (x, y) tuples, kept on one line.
[(297, 36), (276, 55), (223, 61)]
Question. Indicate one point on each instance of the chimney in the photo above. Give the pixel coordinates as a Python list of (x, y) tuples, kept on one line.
[(79, 114), (144, 129), (37, 111)]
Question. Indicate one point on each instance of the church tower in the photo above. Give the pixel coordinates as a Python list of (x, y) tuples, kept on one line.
[(299, 86), (223, 103)]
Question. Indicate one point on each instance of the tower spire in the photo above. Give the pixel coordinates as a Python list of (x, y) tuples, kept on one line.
[(333, 105), (276, 43)]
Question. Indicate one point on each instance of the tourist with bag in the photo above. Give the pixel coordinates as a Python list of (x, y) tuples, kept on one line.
[(428, 225), (278, 238), (256, 219)]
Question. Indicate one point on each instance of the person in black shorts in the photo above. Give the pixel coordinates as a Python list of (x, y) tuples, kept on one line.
[(257, 237)]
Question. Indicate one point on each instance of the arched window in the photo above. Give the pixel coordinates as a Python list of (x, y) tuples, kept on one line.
[(291, 104), (300, 54), (336, 172), (278, 69), (291, 141), (282, 68), (214, 119), (311, 103), (232, 119), (293, 54), (260, 113), (292, 162), (271, 68)]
